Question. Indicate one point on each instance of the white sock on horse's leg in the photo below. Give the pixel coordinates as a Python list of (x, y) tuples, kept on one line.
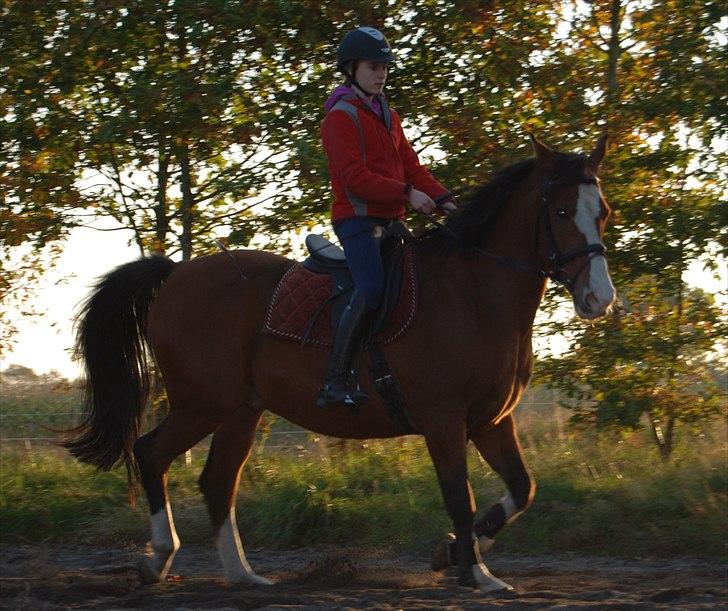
[(510, 508), (487, 582), (161, 549), (510, 513), (230, 548)]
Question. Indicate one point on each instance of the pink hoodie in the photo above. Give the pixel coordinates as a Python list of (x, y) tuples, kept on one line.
[(343, 91)]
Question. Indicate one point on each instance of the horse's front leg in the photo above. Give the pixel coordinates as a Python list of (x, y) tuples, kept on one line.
[(500, 448), (448, 452)]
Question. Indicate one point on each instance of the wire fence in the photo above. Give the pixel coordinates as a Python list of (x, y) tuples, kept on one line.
[(35, 418), (31, 440)]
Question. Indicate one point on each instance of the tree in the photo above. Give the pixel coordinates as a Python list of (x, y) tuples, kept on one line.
[(650, 366), (34, 154), (661, 74)]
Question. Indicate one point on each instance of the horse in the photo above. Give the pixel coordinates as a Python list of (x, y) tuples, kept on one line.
[(462, 365)]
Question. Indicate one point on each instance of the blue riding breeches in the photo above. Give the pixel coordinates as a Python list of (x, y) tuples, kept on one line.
[(356, 235)]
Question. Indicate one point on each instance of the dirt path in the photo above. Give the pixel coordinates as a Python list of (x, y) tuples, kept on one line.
[(66, 577)]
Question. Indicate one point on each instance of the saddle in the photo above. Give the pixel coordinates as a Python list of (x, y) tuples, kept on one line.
[(308, 302)]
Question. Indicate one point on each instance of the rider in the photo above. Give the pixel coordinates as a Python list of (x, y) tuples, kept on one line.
[(374, 173)]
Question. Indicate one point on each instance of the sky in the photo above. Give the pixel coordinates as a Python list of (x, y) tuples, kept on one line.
[(44, 343)]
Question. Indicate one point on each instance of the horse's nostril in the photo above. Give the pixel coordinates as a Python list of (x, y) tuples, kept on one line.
[(591, 300)]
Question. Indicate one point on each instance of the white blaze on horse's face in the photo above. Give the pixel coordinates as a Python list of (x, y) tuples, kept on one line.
[(593, 297)]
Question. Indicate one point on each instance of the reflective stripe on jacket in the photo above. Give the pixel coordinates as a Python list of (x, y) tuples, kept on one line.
[(371, 180)]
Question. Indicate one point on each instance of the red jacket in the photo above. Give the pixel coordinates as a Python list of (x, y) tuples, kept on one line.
[(377, 185)]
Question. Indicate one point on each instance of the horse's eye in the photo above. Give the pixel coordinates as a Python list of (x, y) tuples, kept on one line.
[(560, 212)]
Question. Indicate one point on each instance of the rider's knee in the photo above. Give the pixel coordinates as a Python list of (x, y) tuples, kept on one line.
[(372, 295)]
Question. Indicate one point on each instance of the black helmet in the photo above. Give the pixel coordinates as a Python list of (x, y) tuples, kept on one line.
[(364, 43)]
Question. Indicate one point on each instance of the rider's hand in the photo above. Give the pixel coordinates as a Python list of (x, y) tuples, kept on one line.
[(421, 202), (449, 207)]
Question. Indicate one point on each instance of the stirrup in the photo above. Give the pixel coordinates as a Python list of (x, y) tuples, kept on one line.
[(331, 396)]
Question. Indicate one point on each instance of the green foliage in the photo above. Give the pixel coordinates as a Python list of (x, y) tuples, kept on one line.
[(377, 495), (52, 497), (651, 363)]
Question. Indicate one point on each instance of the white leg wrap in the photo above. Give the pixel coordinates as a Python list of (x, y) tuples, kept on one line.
[(234, 563), (162, 547)]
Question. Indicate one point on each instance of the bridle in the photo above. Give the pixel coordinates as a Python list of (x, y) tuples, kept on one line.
[(557, 257)]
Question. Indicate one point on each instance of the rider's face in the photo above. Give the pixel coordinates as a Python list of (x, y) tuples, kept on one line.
[(371, 76)]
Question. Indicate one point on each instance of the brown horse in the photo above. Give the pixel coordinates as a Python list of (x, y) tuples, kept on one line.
[(462, 365)]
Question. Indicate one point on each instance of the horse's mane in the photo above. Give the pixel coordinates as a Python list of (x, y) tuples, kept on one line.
[(479, 206)]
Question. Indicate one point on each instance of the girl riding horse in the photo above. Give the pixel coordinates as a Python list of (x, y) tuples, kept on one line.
[(374, 173)]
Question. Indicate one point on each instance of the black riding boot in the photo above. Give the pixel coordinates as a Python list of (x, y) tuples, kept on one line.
[(352, 328)]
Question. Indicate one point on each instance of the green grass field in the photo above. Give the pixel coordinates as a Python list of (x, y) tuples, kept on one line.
[(605, 496)]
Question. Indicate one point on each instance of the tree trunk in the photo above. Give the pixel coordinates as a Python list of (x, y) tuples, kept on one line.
[(663, 439), (160, 210), (183, 151), (188, 203), (669, 437), (615, 22)]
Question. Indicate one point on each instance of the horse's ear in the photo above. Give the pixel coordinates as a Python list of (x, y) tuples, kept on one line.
[(544, 155), (596, 156)]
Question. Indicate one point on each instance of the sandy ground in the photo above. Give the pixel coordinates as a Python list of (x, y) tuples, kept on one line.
[(68, 577)]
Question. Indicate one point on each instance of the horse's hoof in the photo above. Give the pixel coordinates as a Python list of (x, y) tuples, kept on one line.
[(508, 592), (444, 554), (488, 583), (147, 575), (250, 579)]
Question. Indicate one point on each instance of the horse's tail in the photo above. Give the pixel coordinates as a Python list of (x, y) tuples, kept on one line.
[(111, 341)]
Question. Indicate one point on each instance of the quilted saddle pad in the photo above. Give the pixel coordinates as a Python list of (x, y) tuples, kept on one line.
[(301, 293)]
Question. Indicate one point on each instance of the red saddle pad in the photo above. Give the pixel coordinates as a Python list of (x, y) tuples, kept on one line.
[(300, 294)]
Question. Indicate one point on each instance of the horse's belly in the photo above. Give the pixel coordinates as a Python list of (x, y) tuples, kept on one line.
[(287, 379)]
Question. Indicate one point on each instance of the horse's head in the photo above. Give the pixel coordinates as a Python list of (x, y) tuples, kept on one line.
[(572, 217)]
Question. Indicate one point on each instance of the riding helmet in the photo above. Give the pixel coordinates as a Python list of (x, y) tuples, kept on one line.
[(364, 43)]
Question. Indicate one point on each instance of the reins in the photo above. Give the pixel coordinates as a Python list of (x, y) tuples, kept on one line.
[(557, 273), (498, 259), (557, 258)]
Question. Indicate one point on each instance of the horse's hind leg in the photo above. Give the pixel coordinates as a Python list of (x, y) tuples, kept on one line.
[(154, 452), (448, 452), (229, 450)]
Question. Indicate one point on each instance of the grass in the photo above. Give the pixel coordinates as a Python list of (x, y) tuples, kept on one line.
[(595, 497)]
